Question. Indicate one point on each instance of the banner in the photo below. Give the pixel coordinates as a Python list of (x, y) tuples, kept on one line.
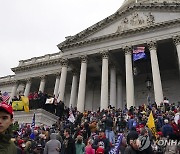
[(49, 101), (116, 148), (151, 124)]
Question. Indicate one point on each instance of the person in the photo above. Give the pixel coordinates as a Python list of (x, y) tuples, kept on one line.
[(132, 147), (88, 148), (145, 143), (167, 129), (101, 144), (80, 146), (68, 146), (132, 135), (6, 120), (53, 146)]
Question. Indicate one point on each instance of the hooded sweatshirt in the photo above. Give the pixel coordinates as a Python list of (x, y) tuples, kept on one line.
[(53, 145)]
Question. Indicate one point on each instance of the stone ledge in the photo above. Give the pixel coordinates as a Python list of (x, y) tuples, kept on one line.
[(42, 117)]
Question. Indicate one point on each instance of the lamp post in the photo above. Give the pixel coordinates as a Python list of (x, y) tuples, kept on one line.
[(148, 85)]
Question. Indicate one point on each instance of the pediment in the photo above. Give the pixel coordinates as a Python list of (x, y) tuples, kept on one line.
[(136, 20), (136, 17)]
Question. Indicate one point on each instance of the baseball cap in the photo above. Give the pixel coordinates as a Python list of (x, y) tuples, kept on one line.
[(101, 130), (7, 108)]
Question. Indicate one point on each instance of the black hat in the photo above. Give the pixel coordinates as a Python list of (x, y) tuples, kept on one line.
[(101, 130)]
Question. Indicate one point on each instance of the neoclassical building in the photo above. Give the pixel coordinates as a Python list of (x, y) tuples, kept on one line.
[(94, 68)]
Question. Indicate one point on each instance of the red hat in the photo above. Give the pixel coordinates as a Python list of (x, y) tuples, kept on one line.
[(7, 108), (100, 150), (160, 133)]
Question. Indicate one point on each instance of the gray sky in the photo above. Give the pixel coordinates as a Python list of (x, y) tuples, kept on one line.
[(32, 28)]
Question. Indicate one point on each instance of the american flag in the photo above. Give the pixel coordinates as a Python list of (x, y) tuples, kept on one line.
[(138, 53), (5, 96), (138, 50), (33, 122)]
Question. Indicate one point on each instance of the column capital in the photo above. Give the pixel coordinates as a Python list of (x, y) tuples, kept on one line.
[(127, 50), (64, 62), (105, 54), (74, 71), (28, 80), (57, 74), (15, 82), (83, 58), (176, 40), (152, 45), (42, 77)]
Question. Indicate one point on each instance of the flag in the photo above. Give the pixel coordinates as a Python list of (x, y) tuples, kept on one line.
[(138, 53), (151, 124), (32, 136), (71, 117), (33, 122), (5, 97), (17, 105), (116, 148), (25, 101), (148, 99)]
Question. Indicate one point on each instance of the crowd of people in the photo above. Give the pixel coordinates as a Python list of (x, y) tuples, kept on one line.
[(120, 131)]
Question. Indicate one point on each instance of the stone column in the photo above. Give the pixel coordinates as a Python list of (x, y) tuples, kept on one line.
[(62, 83), (129, 78), (56, 85), (42, 83), (104, 81), (155, 73), (14, 90), (113, 86), (119, 93), (82, 85), (27, 88), (73, 96), (177, 43)]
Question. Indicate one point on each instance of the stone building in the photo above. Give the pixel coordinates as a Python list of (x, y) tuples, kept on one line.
[(94, 68)]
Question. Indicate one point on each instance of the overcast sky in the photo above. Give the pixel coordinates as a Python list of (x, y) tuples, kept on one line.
[(32, 28)]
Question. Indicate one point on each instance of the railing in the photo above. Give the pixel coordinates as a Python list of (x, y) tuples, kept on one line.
[(40, 59), (7, 78)]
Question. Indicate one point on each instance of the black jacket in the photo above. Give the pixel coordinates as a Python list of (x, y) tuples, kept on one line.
[(103, 142), (68, 146)]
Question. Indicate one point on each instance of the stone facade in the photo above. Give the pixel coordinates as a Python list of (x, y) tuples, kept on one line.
[(154, 24), (41, 117)]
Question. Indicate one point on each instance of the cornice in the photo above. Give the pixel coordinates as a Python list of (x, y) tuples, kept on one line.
[(123, 33), (113, 18), (36, 65)]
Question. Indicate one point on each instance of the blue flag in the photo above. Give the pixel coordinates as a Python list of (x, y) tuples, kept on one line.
[(138, 53), (116, 148), (32, 136)]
